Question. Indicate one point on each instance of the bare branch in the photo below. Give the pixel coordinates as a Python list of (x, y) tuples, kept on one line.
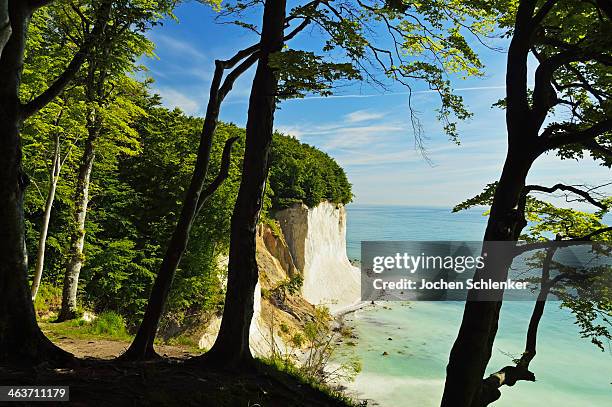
[(569, 188), (231, 77), (221, 176), (297, 29)]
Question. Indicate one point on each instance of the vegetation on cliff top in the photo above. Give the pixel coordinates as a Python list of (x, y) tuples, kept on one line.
[(302, 173)]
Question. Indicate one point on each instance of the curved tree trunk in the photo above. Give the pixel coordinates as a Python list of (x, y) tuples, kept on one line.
[(142, 346), (231, 347), (472, 348), (21, 340), (42, 241)]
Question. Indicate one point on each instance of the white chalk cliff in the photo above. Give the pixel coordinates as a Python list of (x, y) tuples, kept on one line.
[(317, 240), (313, 244)]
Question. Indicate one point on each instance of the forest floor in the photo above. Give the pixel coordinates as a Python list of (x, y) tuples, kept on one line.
[(101, 347), (97, 380), (169, 382)]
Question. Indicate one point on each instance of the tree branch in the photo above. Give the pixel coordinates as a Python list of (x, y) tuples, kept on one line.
[(221, 176), (569, 188), (548, 141), (73, 67), (518, 250), (231, 77), (544, 96), (297, 29), (509, 375), (595, 146), (595, 233), (542, 12)]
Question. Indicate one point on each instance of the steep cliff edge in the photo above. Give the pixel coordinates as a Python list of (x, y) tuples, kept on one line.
[(316, 238), (309, 247)]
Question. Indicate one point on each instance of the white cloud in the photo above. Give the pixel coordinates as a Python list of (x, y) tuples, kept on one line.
[(362, 116), (172, 98), (177, 46), (416, 92)]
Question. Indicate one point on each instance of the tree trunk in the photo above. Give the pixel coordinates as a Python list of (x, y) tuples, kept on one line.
[(21, 340), (5, 25), (472, 349), (77, 240), (42, 241), (142, 346), (231, 347)]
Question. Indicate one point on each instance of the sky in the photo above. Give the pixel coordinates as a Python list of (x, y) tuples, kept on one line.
[(365, 129)]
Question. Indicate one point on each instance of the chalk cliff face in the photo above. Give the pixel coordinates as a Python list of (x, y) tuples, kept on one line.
[(317, 241), (312, 244)]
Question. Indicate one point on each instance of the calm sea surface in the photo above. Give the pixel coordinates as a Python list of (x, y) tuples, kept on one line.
[(570, 371)]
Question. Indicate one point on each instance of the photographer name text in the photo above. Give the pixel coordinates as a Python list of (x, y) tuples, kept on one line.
[(407, 284)]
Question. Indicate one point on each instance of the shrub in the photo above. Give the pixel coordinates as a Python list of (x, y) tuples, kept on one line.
[(109, 323), (48, 300)]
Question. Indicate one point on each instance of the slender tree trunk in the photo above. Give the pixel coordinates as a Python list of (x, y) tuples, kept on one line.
[(231, 347), (21, 340), (142, 346), (42, 241), (509, 375), (77, 240), (472, 349)]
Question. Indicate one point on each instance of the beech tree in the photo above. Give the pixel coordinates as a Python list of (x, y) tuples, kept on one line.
[(232, 343), (20, 337), (50, 137), (583, 290), (415, 30), (345, 29), (567, 112), (196, 196), (105, 84)]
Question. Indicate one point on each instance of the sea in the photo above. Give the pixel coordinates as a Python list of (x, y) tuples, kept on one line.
[(417, 337)]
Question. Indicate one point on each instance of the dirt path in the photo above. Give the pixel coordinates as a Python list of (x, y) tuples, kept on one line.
[(109, 349)]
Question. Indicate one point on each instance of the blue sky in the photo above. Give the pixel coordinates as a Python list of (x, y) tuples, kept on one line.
[(368, 132)]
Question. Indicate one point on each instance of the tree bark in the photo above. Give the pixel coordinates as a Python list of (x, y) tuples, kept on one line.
[(472, 349), (509, 375), (142, 346), (21, 340), (54, 174), (231, 348), (77, 240)]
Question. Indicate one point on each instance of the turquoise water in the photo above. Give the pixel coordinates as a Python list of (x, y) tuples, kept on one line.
[(570, 371)]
